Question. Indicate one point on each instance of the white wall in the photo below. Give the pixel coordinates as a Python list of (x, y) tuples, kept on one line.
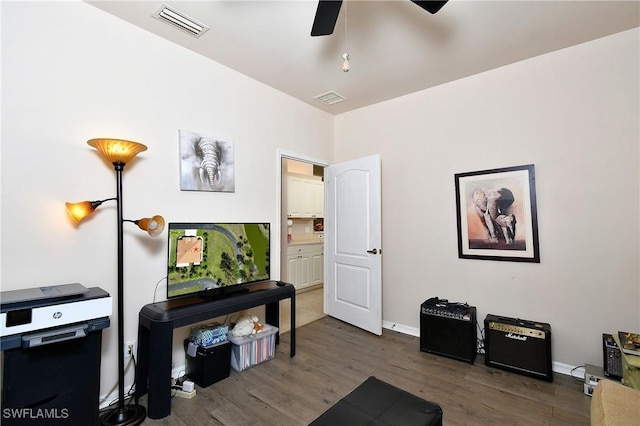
[(74, 73), (574, 114)]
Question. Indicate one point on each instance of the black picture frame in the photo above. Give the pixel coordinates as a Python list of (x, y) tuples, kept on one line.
[(497, 215)]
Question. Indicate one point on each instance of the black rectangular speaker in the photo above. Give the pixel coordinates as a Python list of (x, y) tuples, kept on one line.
[(517, 345), (210, 365), (611, 357), (448, 329)]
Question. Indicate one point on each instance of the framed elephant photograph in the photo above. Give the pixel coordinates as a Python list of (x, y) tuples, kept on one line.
[(497, 218)]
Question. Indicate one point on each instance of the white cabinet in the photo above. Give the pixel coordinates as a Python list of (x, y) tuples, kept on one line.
[(307, 208), (317, 268), (298, 271), (318, 198), (305, 197), (294, 196), (305, 265)]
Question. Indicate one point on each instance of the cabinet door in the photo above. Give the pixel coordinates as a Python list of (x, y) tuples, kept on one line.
[(305, 197), (317, 268), (306, 203), (304, 270), (318, 198), (293, 270), (294, 196)]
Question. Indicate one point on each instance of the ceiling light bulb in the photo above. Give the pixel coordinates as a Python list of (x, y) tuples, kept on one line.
[(345, 62)]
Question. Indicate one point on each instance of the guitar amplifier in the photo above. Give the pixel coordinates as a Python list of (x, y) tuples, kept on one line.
[(448, 329), (612, 358), (519, 346)]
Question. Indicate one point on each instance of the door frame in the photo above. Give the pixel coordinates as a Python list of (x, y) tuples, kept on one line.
[(290, 155)]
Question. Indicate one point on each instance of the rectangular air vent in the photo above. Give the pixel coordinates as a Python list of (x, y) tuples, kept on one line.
[(171, 16), (330, 98)]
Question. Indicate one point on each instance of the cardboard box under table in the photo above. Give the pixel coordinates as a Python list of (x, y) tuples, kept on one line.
[(254, 349)]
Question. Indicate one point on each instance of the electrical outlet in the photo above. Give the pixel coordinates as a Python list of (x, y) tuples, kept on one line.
[(134, 348)]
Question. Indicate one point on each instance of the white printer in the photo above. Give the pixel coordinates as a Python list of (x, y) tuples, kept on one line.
[(41, 315), (47, 336)]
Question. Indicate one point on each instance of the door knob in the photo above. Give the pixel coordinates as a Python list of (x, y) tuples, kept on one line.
[(374, 251)]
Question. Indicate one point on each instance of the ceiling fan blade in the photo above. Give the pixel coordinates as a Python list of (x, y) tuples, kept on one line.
[(430, 6), (326, 17)]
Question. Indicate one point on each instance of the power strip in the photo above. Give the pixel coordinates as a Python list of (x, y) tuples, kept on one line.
[(184, 394)]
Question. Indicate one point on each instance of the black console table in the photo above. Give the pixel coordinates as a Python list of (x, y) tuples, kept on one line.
[(157, 321)]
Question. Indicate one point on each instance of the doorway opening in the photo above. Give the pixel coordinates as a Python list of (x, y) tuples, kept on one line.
[(301, 234)]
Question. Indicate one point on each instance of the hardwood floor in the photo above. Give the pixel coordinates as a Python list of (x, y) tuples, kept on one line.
[(333, 358), (309, 307)]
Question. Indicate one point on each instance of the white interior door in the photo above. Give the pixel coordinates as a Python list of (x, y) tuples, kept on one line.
[(353, 276)]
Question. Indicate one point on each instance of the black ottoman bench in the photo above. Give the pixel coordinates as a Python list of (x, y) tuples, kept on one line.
[(375, 402)]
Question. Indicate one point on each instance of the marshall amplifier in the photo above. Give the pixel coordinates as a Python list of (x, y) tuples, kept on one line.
[(519, 346), (448, 329)]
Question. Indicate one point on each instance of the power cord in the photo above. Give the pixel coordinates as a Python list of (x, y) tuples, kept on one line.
[(156, 289), (480, 343), (128, 394), (135, 375), (580, 379), (177, 384), (182, 376), (115, 386)]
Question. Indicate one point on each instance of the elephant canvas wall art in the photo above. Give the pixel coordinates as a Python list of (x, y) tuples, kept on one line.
[(496, 214), (206, 163)]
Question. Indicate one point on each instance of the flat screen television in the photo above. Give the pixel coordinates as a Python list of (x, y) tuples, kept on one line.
[(211, 259)]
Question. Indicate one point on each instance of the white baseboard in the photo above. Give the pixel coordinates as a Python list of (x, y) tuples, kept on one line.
[(556, 367), (570, 370), (400, 328)]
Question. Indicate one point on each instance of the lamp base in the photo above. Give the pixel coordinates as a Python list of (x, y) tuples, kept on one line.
[(129, 415)]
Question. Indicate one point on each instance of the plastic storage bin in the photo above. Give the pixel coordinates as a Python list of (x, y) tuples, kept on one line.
[(251, 350), (210, 365)]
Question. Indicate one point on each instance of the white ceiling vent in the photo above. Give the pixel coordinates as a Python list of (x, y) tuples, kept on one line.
[(330, 98), (171, 16)]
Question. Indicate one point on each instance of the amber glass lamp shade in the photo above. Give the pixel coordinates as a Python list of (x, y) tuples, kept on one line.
[(79, 211), (153, 225), (117, 150)]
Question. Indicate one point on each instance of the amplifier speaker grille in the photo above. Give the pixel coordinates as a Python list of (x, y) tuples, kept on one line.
[(519, 346), (451, 337)]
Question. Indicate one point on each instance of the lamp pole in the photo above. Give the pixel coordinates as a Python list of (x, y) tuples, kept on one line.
[(118, 152), (119, 167), (132, 414)]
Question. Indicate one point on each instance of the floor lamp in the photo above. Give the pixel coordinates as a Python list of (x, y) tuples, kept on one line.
[(119, 152)]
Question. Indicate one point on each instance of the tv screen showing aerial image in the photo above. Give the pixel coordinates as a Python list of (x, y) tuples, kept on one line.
[(209, 256)]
